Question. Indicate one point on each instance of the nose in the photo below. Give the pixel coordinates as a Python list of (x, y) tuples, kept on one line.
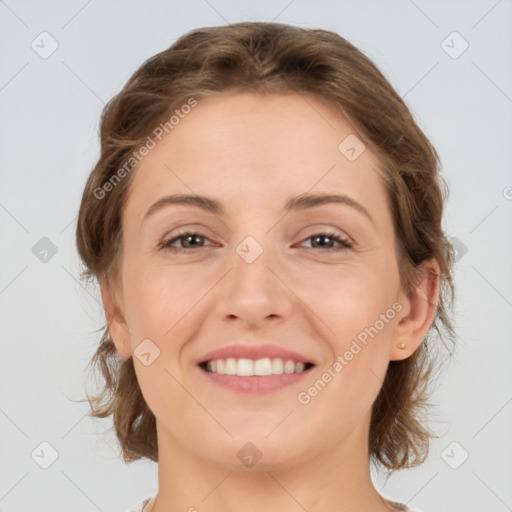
[(255, 290)]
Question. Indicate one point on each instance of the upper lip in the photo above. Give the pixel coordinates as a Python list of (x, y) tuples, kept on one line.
[(255, 352)]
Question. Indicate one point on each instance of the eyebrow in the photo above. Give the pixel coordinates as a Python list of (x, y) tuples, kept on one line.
[(301, 202)]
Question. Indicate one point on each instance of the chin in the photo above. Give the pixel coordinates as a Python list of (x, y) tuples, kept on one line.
[(255, 453)]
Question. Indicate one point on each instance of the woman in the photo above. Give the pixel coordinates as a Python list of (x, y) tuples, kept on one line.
[(264, 222)]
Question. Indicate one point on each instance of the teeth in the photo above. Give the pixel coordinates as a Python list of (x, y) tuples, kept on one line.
[(262, 366), (248, 367), (289, 367), (230, 368), (277, 366), (245, 367)]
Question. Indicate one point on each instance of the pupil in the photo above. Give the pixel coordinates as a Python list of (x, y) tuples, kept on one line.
[(322, 237), (193, 237)]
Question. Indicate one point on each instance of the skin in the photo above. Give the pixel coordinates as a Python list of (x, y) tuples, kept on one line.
[(252, 153)]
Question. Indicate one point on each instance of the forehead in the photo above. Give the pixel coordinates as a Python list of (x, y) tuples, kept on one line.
[(249, 147)]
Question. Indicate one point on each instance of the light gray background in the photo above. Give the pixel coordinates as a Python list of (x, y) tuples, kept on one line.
[(50, 110)]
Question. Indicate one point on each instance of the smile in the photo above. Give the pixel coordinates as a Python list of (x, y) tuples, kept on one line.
[(248, 367), (254, 376)]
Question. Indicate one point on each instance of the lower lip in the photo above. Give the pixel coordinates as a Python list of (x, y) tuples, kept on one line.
[(256, 383)]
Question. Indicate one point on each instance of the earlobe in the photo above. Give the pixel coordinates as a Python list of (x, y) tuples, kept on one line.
[(116, 322), (419, 312)]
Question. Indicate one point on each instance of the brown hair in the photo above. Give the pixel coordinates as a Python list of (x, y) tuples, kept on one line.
[(276, 58)]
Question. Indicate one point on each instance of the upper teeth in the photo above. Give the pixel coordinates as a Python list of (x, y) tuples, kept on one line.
[(248, 367)]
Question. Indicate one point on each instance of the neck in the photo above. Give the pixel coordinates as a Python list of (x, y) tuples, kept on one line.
[(333, 480)]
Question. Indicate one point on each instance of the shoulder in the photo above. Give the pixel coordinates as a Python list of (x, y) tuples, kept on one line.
[(140, 506)]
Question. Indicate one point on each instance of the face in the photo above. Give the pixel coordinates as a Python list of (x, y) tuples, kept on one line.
[(320, 280)]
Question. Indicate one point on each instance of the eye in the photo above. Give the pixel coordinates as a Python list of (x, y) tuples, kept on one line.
[(190, 239), (320, 238)]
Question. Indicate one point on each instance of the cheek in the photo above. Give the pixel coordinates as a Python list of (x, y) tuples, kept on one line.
[(158, 298), (348, 299), (356, 306)]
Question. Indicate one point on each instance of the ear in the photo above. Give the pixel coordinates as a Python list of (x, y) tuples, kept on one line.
[(417, 314), (116, 322)]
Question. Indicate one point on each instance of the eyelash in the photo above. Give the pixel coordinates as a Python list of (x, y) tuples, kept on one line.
[(345, 244)]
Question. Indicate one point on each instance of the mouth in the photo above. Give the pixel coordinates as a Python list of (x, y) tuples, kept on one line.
[(256, 376), (244, 367)]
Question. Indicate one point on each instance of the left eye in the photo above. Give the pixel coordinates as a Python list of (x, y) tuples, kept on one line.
[(333, 237)]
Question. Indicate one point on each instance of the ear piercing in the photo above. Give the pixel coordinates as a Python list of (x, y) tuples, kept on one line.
[(402, 346)]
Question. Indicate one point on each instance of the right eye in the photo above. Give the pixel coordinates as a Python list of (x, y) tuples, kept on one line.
[(191, 242)]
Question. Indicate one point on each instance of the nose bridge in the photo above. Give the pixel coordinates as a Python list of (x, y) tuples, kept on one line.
[(257, 248), (252, 260), (253, 290)]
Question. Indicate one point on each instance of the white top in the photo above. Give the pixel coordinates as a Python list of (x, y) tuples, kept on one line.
[(140, 506)]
